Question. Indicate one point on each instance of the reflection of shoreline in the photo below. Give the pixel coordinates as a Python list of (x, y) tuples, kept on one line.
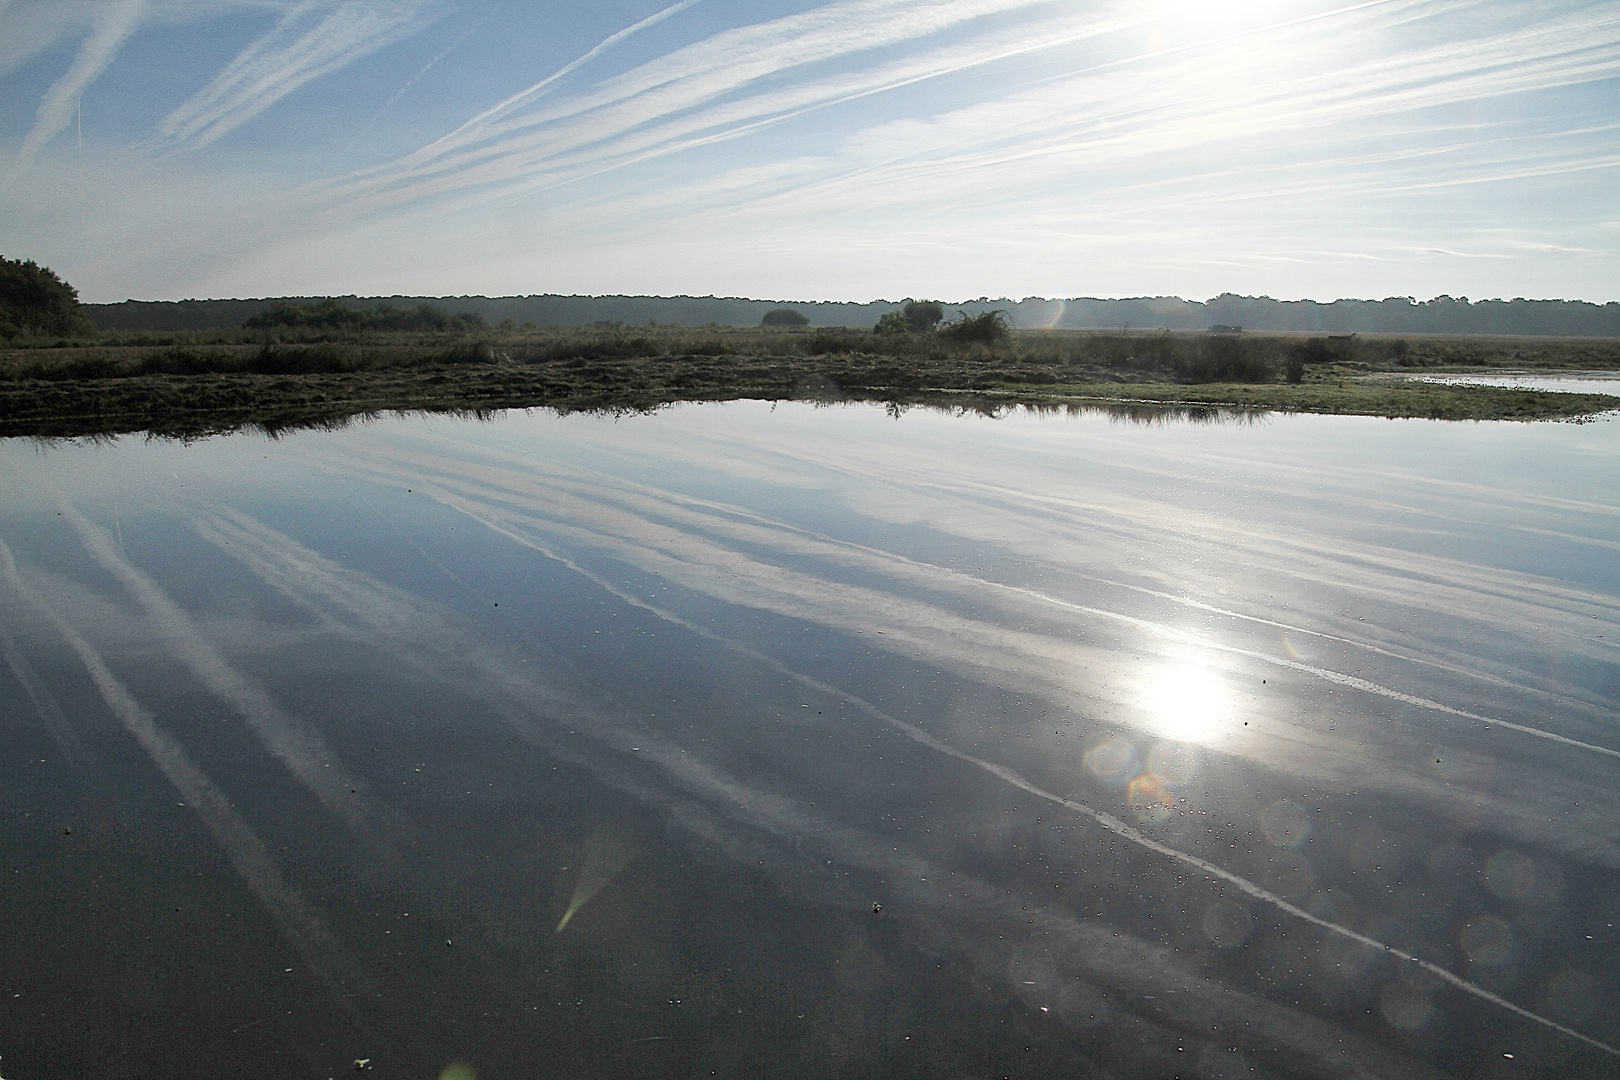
[(1147, 413), (191, 407)]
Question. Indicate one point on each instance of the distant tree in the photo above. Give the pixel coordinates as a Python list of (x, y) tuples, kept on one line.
[(784, 317), (34, 300), (922, 315), (335, 315)]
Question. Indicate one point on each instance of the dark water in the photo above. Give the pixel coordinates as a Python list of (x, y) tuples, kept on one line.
[(587, 747)]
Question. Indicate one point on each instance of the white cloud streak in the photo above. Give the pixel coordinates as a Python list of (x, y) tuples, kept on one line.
[(290, 739), (306, 44), (249, 855), (1121, 114), (531, 93), (112, 27)]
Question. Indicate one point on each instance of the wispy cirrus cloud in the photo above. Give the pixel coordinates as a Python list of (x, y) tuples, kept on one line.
[(1102, 127), (308, 42), (112, 26), (749, 72), (1106, 100)]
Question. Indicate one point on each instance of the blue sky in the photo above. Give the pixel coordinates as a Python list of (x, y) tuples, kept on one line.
[(163, 149)]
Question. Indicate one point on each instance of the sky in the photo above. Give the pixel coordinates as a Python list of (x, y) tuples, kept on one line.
[(786, 149)]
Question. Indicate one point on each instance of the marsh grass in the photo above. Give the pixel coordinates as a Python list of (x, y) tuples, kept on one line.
[(143, 381)]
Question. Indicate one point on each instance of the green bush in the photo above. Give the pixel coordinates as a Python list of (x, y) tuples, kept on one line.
[(893, 322)]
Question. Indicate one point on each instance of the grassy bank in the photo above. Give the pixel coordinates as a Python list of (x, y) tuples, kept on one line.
[(190, 384)]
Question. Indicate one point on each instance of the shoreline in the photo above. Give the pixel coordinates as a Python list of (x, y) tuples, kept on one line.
[(196, 406), (191, 387)]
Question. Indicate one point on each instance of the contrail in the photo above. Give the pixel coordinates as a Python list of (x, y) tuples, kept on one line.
[(248, 855), (1106, 820), (116, 23), (723, 800), (589, 881), (283, 60), (567, 69), (450, 498), (57, 725), (414, 79), (298, 746), (1326, 674)]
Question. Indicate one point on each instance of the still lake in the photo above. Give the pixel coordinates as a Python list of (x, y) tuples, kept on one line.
[(738, 740)]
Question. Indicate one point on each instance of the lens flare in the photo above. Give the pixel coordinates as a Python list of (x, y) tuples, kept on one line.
[(607, 853), (1404, 1006), (1149, 799), (1113, 761), (1486, 939), (1285, 823), (1510, 875)]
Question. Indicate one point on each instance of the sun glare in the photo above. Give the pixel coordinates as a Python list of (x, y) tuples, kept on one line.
[(1185, 701)]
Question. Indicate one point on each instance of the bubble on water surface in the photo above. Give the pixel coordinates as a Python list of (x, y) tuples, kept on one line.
[(1149, 799)]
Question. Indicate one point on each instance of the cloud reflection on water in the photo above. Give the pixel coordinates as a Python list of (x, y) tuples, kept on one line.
[(800, 643)]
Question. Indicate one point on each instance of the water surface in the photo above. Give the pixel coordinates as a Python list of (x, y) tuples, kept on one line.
[(1569, 382), (736, 740)]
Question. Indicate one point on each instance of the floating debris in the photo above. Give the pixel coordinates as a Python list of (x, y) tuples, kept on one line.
[(876, 907), (362, 1064)]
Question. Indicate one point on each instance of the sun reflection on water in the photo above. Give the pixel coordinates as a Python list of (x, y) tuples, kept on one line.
[(1185, 701)]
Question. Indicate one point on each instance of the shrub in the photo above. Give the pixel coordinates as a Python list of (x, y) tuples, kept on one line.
[(990, 328), (822, 344), (1316, 351), (892, 323), (784, 317), (1225, 359)]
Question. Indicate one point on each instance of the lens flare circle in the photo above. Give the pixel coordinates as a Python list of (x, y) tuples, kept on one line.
[(1149, 799)]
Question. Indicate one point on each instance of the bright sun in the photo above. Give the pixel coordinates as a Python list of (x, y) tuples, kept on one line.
[(1185, 700)]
